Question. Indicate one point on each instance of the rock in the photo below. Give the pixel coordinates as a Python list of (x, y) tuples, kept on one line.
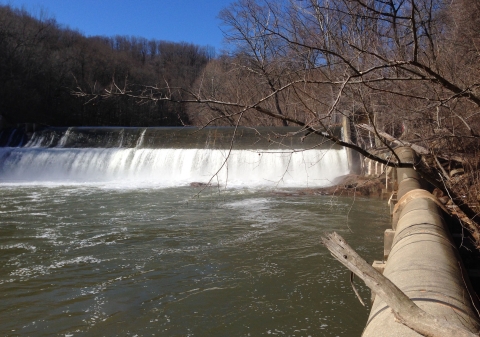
[(198, 184)]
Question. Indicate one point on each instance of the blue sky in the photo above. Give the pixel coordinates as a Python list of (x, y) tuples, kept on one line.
[(171, 20)]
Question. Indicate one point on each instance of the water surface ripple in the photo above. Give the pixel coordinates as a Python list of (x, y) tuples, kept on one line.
[(89, 261)]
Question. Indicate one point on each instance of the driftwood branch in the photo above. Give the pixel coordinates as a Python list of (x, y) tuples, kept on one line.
[(404, 309)]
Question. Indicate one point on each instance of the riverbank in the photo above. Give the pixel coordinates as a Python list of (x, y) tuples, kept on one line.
[(347, 185), (372, 187)]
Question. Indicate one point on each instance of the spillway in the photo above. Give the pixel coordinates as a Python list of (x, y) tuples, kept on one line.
[(170, 157)]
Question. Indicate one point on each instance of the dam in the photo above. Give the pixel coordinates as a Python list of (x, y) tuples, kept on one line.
[(103, 233), (171, 157), (124, 202)]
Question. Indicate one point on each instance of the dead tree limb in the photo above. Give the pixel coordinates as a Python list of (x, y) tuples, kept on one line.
[(404, 309), (419, 149)]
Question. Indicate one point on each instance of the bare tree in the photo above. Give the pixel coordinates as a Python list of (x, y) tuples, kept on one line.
[(389, 64)]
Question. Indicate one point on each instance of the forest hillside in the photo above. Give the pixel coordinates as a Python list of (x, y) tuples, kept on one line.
[(42, 63)]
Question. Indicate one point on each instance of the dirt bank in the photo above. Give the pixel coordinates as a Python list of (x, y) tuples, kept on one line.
[(348, 185)]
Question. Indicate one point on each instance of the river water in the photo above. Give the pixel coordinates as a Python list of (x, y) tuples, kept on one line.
[(96, 261), (101, 234)]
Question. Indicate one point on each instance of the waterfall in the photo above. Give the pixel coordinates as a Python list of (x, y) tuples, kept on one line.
[(140, 139), (64, 139), (171, 165)]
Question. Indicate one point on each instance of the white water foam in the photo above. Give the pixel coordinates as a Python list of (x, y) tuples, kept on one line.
[(64, 138), (38, 270), (171, 167)]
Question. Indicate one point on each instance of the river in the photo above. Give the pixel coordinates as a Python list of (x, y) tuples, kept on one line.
[(123, 258)]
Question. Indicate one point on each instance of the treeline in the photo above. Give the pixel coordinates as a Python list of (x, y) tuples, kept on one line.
[(43, 63), (409, 67)]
